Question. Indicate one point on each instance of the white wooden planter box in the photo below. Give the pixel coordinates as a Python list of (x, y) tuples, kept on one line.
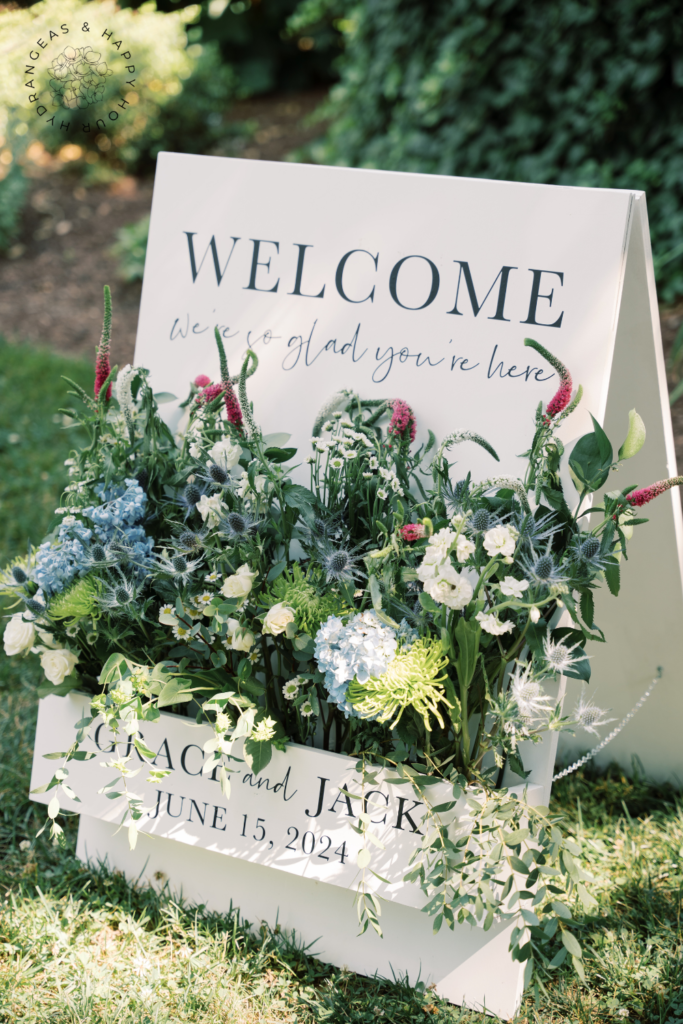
[(291, 818)]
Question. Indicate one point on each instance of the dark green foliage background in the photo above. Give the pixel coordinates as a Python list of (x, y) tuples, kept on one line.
[(570, 92), (255, 42)]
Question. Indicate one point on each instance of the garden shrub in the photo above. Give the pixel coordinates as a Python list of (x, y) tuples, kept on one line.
[(570, 92), (254, 39), (181, 91), (13, 188), (130, 249)]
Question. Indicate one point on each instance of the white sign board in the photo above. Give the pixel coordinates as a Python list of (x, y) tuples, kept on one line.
[(423, 287), (295, 816)]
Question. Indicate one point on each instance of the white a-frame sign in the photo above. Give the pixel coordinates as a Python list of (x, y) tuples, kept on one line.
[(423, 288)]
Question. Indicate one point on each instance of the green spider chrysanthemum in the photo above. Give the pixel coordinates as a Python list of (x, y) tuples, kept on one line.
[(312, 608), (78, 601), (412, 680)]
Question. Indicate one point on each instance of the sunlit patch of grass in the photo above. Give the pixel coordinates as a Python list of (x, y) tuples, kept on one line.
[(79, 946)]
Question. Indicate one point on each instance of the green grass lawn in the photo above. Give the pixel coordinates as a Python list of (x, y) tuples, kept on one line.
[(80, 946)]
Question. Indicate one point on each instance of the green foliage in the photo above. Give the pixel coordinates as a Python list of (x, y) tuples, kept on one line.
[(130, 249), (34, 440), (267, 52), (570, 92), (13, 189), (181, 89)]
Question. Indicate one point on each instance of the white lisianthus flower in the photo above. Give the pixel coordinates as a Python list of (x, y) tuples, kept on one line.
[(500, 540), (449, 588), (534, 614), (19, 636), (490, 623), (240, 583), (512, 587), (195, 451), (225, 453), (440, 544), (427, 570), (57, 664), (210, 507), (464, 548), (278, 619)]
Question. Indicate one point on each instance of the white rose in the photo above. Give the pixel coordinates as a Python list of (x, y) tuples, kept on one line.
[(242, 639), (240, 583), (277, 620), (57, 664), (464, 548), (490, 623), (225, 453), (212, 506), (500, 541), (512, 587), (19, 635)]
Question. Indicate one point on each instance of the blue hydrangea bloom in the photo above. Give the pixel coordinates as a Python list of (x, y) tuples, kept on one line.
[(359, 650), (60, 561)]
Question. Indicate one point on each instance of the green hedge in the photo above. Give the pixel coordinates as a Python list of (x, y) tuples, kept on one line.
[(573, 92)]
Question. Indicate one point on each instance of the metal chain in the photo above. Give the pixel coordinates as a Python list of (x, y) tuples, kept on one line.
[(615, 732)]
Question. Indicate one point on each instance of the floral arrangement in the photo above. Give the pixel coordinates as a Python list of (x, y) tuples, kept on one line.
[(383, 611)]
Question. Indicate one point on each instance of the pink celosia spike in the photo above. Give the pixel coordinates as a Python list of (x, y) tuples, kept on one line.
[(646, 494), (402, 421)]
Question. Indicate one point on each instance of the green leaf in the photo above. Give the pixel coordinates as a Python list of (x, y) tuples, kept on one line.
[(604, 445), (559, 958), (257, 754), (428, 603), (69, 684), (301, 498), (280, 454), (515, 761), (376, 593), (588, 608), (588, 462), (143, 749), (613, 578), (468, 635), (571, 943), (561, 910), (519, 866), (276, 570), (635, 439), (176, 691)]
